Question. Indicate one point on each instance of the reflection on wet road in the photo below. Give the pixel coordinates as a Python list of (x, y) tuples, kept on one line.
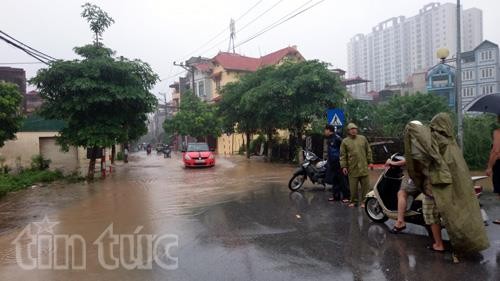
[(237, 221)]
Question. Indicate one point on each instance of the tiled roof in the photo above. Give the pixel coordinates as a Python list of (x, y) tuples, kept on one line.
[(238, 62)]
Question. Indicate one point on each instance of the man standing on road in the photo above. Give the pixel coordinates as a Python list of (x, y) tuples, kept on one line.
[(334, 174), (355, 157)]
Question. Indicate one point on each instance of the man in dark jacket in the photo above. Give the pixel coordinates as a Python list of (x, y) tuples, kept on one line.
[(334, 174)]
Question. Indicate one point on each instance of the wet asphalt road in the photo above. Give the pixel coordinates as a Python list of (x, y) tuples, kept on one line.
[(237, 221)]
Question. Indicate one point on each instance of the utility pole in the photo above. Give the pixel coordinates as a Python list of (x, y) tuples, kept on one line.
[(458, 79), (190, 69), (232, 36)]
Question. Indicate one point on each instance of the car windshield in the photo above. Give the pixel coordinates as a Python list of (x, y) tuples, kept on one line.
[(197, 147)]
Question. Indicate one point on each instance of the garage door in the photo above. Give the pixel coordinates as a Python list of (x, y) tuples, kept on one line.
[(64, 161)]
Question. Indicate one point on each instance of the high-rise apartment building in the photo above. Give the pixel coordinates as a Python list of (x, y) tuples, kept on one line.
[(400, 46)]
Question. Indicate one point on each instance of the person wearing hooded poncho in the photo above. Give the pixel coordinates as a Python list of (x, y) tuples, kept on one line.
[(436, 165), (457, 202)]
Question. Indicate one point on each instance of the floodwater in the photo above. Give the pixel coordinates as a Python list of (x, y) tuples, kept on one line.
[(237, 221)]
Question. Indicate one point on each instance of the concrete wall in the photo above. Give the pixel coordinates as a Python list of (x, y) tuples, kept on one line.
[(18, 153)]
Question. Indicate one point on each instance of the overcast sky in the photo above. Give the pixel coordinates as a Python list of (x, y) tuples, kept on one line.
[(162, 31)]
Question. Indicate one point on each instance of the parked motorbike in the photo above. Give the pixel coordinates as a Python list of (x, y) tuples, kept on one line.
[(166, 151), (313, 168), (382, 202)]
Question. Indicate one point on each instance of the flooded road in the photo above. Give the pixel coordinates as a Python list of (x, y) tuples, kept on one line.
[(236, 221)]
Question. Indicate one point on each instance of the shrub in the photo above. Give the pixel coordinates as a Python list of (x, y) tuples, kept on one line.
[(38, 163)]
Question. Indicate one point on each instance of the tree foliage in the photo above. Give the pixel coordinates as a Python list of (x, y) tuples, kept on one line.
[(195, 118), (10, 111), (389, 119), (98, 20), (478, 132), (288, 96)]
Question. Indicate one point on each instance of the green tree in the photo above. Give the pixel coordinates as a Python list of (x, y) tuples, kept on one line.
[(478, 132), (364, 114), (308, 89), (395, 114), (102, 98), (98, 20), (195, 118), (289, 96), (10, 111), (236, 106)]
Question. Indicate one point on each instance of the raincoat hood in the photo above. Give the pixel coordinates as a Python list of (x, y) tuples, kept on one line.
[(442, 124)]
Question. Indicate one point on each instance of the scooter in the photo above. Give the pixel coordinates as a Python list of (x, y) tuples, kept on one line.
[(313, 168), (166, 151), (382, 202)]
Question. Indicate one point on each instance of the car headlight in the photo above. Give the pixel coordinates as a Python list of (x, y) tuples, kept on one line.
[(187, 157), (211, 156)]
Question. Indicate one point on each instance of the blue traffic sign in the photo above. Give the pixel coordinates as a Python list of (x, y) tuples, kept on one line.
[(336, 117)]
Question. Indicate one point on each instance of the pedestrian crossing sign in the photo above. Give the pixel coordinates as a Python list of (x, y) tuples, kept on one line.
[(336, 117)]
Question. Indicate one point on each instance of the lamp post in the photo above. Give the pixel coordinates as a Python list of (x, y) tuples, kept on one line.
[(458, 80)]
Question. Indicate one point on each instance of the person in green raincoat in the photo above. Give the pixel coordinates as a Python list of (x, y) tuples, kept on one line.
[(426, 167), (456, 202), (355, 159)]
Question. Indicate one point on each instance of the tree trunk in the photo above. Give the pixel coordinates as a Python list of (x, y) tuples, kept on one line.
[(91, 170), (248, 145), (113, 154), (269, 146)]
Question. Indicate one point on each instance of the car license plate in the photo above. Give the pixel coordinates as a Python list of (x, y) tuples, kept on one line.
[(199, 161)]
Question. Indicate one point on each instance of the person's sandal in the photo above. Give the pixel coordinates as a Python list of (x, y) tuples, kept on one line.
[(397, 230), (496, 221)]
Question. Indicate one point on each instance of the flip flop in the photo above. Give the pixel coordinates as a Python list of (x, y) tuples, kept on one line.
[(345, 201), (436, 251), (496, 221), (396, 230)]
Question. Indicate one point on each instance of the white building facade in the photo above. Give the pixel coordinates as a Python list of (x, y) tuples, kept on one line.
[(400, 46), (480, 72)]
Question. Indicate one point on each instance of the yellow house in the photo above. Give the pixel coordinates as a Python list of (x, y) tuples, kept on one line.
[(229, 67)]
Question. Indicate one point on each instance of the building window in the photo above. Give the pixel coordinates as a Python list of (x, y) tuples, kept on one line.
[(468, 92), (488, 89), (217, 84), (201, 89), (486, 55), (467, 75), (486, 72)]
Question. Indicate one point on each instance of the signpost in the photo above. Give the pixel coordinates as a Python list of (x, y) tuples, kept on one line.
[(336, 118)]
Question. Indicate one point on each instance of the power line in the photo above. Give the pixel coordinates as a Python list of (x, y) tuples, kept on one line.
[(173, 75), (252, 21), (19, 63), (37, 57), (279, 22), (262, 14), (41, 54), (223, 31)]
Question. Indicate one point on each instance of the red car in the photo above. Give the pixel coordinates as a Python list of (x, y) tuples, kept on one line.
[(198, 155)]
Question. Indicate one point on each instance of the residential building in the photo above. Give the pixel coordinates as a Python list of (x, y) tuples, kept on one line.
[(400, 46), (16, 76), (33, 102), (210, 75), (441, 81), (480, 72)]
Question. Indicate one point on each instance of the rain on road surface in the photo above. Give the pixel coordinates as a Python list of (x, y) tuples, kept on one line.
[(237, 221)]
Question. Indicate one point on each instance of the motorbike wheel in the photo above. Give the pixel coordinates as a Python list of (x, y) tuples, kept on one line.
[(374, 210), (296, 182)]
